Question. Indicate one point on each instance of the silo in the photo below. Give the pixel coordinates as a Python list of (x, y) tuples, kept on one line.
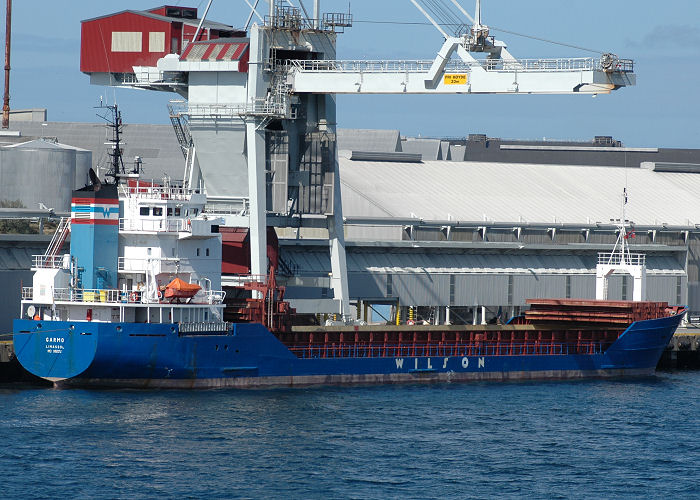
[(41, 171)]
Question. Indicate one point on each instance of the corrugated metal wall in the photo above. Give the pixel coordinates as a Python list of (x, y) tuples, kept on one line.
[(422, 278)]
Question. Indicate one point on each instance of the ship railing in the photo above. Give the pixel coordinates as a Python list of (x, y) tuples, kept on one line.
[(215, 296), (86, 295), (167, 225), (51, 261), (204, 327), (337, 350), (423, 66), (156, 192), (97, 295), (621, 259)]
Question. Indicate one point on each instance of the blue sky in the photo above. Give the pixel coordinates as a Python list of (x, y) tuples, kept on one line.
[(663, 38)]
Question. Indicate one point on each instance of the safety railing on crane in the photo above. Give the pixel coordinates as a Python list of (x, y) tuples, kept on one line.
[(257, 107), (507, 65)]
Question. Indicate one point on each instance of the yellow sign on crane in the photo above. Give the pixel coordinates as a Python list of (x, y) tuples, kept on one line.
[(452, 79)]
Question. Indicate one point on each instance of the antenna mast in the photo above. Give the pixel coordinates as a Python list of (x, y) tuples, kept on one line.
[(8, 37), (114, 122)]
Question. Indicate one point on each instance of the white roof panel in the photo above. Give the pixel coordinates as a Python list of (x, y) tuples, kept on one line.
[(511, 192)]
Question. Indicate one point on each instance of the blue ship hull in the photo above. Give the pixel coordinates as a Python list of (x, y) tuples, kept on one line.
[(248, 355)]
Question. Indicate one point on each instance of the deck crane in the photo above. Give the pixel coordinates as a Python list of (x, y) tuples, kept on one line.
[(259, 120)]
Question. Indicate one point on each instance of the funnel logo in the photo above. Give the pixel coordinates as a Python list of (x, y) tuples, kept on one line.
[(87, 211)]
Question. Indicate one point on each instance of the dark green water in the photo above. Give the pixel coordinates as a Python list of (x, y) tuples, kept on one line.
[(586, 439)]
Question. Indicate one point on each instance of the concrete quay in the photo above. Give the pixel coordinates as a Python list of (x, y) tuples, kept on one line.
[(683, 352)]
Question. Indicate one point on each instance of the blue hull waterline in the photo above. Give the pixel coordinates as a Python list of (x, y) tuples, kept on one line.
[(248, 355)]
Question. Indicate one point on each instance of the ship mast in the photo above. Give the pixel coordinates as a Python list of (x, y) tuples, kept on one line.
[(621, 260), (113, 117)]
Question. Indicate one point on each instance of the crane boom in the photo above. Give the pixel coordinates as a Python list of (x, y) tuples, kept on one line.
[(524, 76)]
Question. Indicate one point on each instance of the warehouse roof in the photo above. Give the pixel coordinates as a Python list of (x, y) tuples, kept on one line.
[(509, 192)]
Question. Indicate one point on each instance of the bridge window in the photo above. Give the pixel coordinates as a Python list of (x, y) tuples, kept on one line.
[(145, 210), (177, 211), (170, 211), (207, 252), (157, 211)]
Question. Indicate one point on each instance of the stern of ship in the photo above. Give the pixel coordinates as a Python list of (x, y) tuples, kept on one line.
[(55, 350)]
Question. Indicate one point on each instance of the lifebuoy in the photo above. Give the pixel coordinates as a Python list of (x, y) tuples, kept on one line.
[(410, 322), (132, 297)]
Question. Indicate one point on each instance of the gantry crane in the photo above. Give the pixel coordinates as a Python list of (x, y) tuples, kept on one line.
[(259, 117)]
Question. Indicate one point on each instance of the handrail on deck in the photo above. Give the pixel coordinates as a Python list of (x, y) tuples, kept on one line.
[(76, 295)]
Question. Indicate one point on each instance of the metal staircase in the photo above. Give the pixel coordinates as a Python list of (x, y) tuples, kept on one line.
[(59, 237), (182, 130)]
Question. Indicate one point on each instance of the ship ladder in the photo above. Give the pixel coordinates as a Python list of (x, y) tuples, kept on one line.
[(59, 238), (181, 128)]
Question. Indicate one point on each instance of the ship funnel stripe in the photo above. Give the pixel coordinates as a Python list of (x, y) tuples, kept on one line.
[(87, 211), (97, 222), (93, 201)]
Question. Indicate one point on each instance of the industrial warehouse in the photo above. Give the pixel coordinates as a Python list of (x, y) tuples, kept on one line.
[(428, 228)]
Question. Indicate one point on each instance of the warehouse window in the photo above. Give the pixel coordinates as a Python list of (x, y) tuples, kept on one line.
[(126, 41), (156, 41), (624, 287), (452, 289), (679, 290), (389, 285), (568, 287)]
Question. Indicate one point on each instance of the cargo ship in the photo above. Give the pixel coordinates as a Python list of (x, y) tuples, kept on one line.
[(137, 302)]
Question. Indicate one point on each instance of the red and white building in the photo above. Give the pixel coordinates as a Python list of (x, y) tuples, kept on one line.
[(117, 43)]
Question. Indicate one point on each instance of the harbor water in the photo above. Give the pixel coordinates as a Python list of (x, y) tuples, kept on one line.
[(582, 439)]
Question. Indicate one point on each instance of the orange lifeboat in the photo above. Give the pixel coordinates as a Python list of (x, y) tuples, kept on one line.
[(178, 289)]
